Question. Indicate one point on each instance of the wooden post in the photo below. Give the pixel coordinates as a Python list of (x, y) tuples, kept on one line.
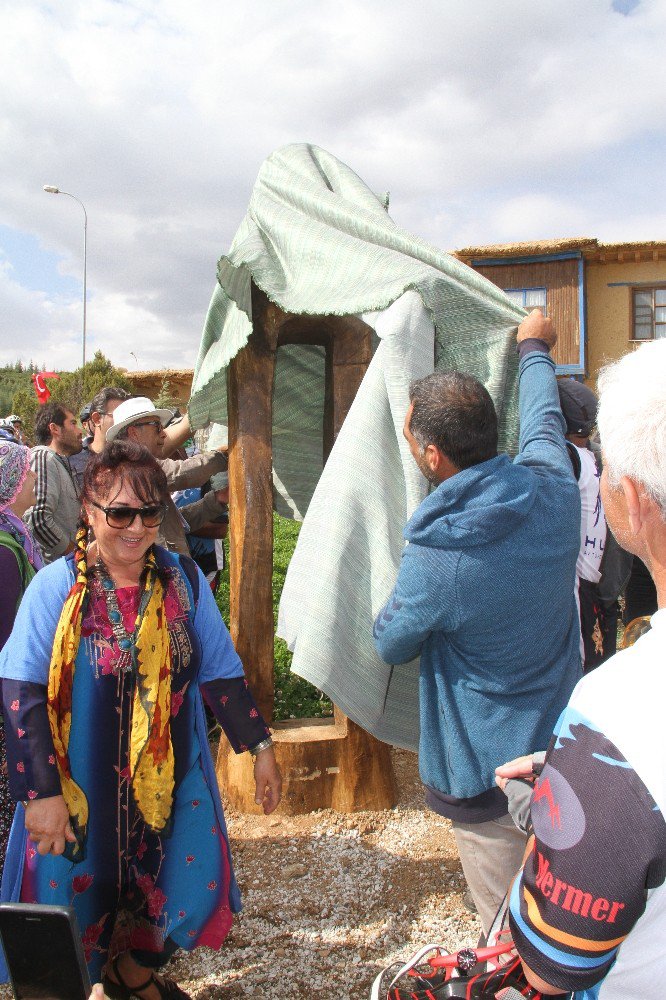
[(250, 402), (325, 763)]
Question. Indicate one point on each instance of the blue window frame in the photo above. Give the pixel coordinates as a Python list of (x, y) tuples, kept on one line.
[(571, 369), (529, 298)]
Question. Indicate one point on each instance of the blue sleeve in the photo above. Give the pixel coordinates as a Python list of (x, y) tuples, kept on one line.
[(233, 706), (26, 656), (423, 601), (542, 426), (31, 761), (218, 657)]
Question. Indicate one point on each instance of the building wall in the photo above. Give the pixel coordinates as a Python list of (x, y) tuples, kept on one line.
[(151, 384), (609, 309), (560, 279)]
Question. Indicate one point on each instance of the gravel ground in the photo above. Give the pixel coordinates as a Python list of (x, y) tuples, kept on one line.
[(331, 898)]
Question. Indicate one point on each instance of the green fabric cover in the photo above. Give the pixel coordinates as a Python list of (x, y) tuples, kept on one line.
[(317, 241)]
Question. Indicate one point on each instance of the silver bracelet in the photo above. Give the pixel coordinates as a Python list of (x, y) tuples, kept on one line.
[(264, 745)]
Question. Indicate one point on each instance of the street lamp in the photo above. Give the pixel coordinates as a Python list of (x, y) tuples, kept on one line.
[(50, 189)]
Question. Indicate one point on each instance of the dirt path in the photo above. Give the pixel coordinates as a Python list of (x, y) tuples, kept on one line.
[(329, 899)]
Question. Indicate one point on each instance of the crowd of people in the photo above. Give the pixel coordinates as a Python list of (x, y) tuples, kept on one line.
[(508, 589)]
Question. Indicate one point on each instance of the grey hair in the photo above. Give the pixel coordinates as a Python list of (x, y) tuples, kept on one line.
[(632, 419), (455, 412)]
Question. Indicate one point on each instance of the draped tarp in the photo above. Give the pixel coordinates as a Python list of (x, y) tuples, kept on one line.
[(317, 241)]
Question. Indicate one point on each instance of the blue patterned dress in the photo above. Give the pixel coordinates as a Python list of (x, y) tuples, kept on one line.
[(134, 888)]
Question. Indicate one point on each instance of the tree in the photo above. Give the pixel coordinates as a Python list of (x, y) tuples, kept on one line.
[(24, 403), (72, 389), (12, 378), (78, 387), (165, 399)]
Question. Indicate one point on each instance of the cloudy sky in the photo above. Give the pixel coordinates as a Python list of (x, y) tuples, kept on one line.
[(487, 120)]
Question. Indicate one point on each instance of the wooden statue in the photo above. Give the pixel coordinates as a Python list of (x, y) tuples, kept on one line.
[(326, 763)]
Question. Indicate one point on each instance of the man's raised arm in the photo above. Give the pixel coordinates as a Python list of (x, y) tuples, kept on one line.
[(542, 426)]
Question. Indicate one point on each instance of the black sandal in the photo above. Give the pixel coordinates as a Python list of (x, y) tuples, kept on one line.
[(168, 989)]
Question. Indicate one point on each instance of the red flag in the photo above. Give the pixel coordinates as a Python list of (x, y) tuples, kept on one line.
[(41, 388)]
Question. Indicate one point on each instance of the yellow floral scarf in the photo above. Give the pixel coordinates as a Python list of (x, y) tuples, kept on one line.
[(151, 750)]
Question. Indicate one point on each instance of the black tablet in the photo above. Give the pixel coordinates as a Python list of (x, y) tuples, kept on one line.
[(43, 950)]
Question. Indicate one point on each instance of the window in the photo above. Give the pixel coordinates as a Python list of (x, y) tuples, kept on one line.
[(649, 313), (528, 298)]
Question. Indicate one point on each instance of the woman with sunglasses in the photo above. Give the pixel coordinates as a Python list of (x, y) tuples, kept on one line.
[(103, 678)]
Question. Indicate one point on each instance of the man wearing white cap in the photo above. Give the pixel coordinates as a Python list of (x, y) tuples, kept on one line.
[(138, 420)]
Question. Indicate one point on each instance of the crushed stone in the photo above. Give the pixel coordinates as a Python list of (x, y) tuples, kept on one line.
[(329, 899)]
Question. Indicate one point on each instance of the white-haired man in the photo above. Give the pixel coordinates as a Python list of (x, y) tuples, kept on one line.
[(588, 910)]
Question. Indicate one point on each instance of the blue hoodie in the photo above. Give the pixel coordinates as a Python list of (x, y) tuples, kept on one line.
[(485, 596)]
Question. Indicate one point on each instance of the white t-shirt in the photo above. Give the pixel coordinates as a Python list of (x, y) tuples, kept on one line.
[(592, 519)]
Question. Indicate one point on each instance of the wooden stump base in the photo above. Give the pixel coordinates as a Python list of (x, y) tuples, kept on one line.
[(325, 764)]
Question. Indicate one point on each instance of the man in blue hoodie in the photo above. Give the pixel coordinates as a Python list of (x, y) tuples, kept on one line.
[(485, 597)]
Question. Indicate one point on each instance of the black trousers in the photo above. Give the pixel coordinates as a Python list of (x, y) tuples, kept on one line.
[(598, 625), (640, 596)]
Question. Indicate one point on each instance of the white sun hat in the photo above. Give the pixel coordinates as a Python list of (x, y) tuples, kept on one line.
[(131, 410)]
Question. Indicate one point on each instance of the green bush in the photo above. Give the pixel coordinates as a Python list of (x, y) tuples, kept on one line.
[(13, 379), (294, 697)]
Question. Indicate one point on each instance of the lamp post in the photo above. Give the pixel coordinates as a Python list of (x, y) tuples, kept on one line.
[(50, 189)]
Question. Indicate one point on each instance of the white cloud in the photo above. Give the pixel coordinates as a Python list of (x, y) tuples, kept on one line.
[(487, 122), (37, 328)]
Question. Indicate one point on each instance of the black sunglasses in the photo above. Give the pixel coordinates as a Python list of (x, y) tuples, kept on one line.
[(122, 517), (157, 424)]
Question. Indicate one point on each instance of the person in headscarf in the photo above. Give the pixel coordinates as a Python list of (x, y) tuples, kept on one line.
[(19, 560), (7, 432)]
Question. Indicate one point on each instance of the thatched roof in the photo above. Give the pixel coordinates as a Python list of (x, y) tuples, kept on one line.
[(591, 249), (536, 248), (638, 251), (161, 373)]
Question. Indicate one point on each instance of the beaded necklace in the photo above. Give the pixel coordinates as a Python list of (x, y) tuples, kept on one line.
[(126, 640)]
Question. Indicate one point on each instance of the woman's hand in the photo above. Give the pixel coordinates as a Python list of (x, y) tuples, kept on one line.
[(47, 823), (268, 780)]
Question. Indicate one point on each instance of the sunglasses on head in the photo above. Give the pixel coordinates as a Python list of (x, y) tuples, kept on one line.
[(122, 517)]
